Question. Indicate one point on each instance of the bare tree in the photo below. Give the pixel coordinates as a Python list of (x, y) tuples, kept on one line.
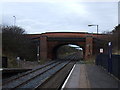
[(15, 43)]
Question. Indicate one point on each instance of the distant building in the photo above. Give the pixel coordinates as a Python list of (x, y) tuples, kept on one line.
[(119, 12)]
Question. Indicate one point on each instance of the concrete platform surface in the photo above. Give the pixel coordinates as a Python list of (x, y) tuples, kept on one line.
[(100, 78), (78, 78), (90, 76)]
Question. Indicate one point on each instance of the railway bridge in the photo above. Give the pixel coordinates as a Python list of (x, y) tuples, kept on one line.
[(51, 41)]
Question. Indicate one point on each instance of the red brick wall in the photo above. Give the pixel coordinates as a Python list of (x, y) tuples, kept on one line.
[(46, 47)]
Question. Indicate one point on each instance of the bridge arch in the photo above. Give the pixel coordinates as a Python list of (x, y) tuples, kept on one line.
[(55, 49), (50, 41)]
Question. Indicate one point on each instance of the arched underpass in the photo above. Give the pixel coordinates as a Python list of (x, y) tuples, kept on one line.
[(66, 50)]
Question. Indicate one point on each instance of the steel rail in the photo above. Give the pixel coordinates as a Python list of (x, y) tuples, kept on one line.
[(34, 83), (34, 78), (26, 73)]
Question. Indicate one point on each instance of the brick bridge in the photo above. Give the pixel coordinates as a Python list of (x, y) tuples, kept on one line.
[(50, 42)]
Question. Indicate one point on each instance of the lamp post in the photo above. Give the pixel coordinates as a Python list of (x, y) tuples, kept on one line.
[(96, 26), (14, 20)]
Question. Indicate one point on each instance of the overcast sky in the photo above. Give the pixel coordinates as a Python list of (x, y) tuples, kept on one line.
[(64, 16)]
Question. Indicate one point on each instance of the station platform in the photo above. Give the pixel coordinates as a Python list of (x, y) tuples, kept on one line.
[(90, 76)]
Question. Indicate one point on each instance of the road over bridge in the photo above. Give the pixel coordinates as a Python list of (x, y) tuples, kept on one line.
[(50, 42)]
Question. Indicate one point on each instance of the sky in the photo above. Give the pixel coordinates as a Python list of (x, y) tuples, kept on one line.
[(75, 46), (119, 12), (60, 16)]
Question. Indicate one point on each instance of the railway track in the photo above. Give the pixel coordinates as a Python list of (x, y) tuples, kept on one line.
[(58, 79), (26, 73), (35, 78)]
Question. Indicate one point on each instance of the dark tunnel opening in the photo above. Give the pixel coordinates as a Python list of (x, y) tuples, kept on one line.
[(65, 50)]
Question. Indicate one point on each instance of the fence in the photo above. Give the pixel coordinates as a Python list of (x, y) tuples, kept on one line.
[(4, 62), (103, 60)]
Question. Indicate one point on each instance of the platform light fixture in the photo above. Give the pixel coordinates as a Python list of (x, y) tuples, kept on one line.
[(94, 25)]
